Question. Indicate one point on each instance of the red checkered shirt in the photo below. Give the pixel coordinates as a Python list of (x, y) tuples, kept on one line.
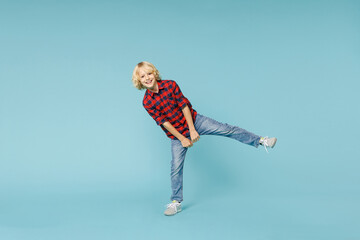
[(166, 105)]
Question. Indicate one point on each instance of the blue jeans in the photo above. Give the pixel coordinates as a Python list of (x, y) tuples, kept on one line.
[(204, 126)]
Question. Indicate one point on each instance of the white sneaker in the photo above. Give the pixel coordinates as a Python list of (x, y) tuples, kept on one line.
[(268, 142), (172, 208)]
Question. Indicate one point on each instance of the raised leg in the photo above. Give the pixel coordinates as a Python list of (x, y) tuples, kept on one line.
[(207, 126)]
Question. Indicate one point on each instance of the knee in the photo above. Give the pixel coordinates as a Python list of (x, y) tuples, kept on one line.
[(176, 167), (227, 129)]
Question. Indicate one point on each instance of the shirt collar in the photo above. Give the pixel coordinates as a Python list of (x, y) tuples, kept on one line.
[(160, 85)]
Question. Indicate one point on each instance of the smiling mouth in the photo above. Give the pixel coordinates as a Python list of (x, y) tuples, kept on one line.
[(149, 82)]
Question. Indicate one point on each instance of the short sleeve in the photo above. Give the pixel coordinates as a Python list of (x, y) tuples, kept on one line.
[(181, 100), (156, 115)]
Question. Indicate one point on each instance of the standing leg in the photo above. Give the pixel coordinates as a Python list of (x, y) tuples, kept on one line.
[(207, 126), (177, 164)]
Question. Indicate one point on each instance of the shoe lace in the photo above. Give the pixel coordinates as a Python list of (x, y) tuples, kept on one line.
[(265, 143), (173, 205)]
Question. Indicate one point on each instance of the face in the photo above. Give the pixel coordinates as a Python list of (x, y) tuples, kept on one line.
[(147, 79)]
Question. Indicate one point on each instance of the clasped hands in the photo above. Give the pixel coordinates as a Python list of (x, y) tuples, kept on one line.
[(194, 135)]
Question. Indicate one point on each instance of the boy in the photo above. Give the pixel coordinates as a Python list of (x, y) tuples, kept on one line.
[(166, 104)]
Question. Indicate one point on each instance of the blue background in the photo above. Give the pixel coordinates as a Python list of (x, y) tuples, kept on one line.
[(81, 158)]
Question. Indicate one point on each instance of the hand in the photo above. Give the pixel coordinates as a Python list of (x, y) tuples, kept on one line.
[(194, 135), (186, 143)]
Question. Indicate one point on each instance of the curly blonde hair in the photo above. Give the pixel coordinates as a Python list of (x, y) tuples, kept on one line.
[(147, 67)]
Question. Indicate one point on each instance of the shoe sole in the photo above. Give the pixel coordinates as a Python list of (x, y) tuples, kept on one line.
[(172, 214), (274, 143)]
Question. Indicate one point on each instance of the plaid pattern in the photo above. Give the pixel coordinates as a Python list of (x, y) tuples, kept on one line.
[(166, 105)]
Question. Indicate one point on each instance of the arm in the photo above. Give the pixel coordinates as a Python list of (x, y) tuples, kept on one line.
[(184, 141), (194, 135), (183, 103)]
